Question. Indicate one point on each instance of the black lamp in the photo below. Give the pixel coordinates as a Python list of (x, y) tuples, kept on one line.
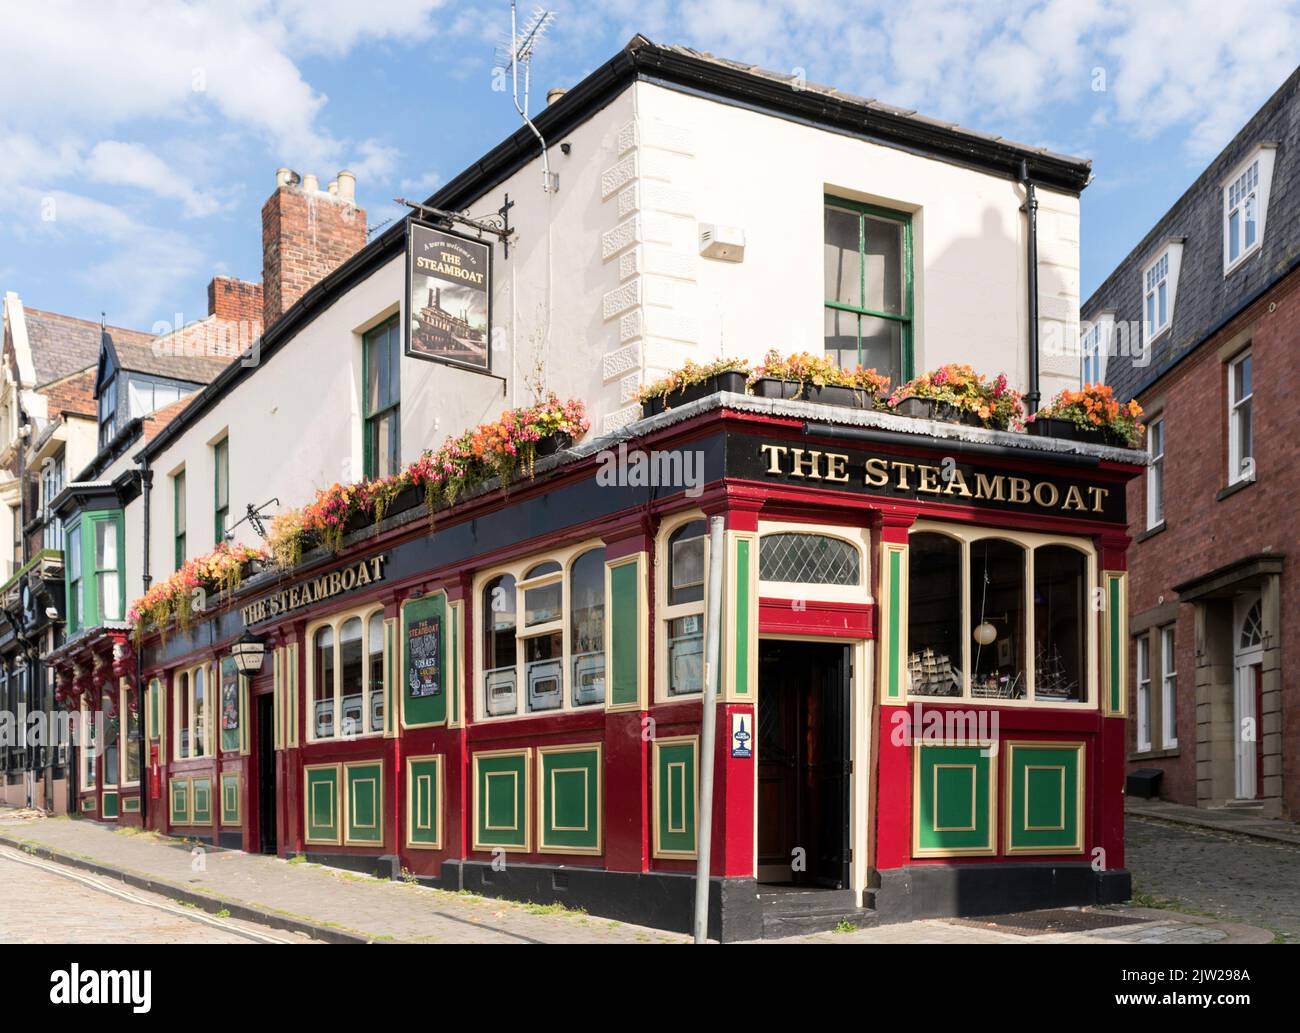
[(248, 651)]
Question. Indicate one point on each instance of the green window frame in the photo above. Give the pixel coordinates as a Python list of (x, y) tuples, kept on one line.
[(220, 489), (95, 559), (381, 392), (859, 310), (178, 518)]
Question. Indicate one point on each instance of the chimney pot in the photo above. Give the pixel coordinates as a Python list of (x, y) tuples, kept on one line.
[(334, 187), (554, 94), (310, 184), (347, 185)]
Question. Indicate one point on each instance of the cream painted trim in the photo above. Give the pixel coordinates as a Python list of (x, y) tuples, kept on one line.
[(1029, 541), (1107, 645), (456, 665), (436, 804), (335, 622), (400, 694), (665, 613), (885, 616), (599, 816), (346, 807), (731, 581), (642, 636), (655, 745), (1009, 748), (858, 537), (392, 689), (565, 557), (981, 851), (292, 695), (124, 750), (340, 819), (209, 738), (525, 813)]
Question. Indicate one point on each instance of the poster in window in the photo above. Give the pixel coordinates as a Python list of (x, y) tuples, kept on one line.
[(423, 646), (229, 705), (448, 297)]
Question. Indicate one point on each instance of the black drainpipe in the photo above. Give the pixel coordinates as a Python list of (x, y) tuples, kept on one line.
[(146, 771), (1030, 208)]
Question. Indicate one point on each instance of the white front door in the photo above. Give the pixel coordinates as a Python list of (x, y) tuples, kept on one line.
[(1248, 660)]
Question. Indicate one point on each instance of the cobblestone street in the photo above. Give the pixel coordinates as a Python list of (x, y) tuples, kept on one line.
[(1233, 878)]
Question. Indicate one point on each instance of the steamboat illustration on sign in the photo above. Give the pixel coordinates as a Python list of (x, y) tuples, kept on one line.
[(448, 297)]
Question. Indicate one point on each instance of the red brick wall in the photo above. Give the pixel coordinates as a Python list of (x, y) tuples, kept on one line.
[(72, 394), (237, 301), (1203, 534), (305, 236)]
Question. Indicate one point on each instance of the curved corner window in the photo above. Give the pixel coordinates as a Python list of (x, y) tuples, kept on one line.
[(997, 601), (808, 559), (499, 659), (587, 627), (934, 638), (1060, 603)]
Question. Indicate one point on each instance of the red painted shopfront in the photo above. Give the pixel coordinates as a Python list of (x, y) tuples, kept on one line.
[(921, 706)]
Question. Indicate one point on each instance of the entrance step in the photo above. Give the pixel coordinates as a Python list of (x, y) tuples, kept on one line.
[(799, 912)]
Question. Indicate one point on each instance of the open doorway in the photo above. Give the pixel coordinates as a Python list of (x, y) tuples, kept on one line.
[(266, 784), (803, 764)]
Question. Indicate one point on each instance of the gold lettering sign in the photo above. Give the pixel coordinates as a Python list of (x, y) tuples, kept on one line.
[(942, 481), (355, 575)]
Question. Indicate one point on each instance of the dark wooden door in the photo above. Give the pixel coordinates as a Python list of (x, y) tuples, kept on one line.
[(778, 774), (266, 773)]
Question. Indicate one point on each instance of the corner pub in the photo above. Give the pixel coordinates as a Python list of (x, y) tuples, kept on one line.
[(508, 702)]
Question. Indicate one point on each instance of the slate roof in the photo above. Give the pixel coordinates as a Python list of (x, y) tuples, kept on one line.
[(62, 345), (1206, 299)]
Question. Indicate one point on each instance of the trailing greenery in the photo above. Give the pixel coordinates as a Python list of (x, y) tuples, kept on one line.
[(957, 388), (689, 375), (1096, 408)]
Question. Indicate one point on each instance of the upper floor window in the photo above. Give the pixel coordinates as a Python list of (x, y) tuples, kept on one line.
[(1020, 631), (1245, 206), (178, 519), (1157, 303), (868, 287), (221, 489), (543, 635), (1090, 354), (1241, 421), (1156, 472), (107, 403), (51, 485), (1143, 729), (382, 390), (346, 672), (94, 577)]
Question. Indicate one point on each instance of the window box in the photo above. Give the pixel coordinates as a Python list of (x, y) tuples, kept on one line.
[(1050, 427), (933, 409), (552, 443), (731, 380), (831, 394)]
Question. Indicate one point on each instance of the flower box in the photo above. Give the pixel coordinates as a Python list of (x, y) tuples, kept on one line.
[(830, 394), (933, 409), (731, 380), (1050, 427), (552, 443)]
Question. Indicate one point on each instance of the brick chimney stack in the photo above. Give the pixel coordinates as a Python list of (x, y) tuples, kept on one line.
[(235, 301), (307, 233)]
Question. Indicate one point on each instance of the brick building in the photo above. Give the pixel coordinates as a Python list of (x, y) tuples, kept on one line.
[(1199, 324)]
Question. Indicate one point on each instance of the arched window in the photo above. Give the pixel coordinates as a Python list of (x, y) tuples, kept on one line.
[(808, 559), (934, 624), (587, 627), (351, 671), (499, 659), (375, 650), (684, 613), (1060, 639), (323, 686), (181, 695), (997, 615), (1252, 628)]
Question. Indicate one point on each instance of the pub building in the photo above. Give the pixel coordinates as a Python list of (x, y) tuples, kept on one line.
[(921, 701)]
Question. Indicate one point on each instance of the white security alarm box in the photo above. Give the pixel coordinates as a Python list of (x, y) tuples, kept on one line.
[(725, 243)]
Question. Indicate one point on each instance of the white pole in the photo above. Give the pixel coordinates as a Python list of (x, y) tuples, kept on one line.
[(708, 729)]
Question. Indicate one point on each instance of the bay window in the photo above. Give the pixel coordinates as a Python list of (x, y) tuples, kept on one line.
[(346, 674), (999, 616), (96, 588), (542, 635)]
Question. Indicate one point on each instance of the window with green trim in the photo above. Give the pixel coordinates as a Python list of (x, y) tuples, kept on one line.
[(178, 518), (868, 287), (95, 571), (382, 390), (221, 489)]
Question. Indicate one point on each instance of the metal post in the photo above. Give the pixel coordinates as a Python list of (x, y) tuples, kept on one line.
[(708, 729)]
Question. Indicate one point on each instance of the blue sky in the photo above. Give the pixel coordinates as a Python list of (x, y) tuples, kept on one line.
[(139, 140)]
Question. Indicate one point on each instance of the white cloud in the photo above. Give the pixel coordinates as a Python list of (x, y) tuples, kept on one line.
[(130, 164)]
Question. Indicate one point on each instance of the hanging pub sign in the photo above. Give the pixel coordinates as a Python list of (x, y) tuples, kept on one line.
[(448, 297)]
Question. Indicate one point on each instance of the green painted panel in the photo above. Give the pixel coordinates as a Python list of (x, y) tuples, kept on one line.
[(953, 799), (322, 792), (571, 799), (231, 704), (501, 793), (230, 799), (201, 789), (1044, 799), (675, 809), (424, 677), (743, 629), (624, 634), (895, 648), (365, 802), (424, 801), (110, 805), (180, 800), (131, 804)]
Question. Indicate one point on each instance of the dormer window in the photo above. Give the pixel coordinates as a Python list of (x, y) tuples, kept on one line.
[(1245, 206), (1094, 346), (1160, 290)]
